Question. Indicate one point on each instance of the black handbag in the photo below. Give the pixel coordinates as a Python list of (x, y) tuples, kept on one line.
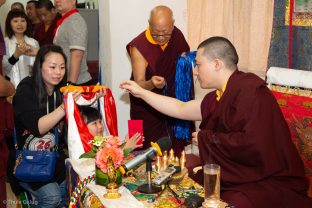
[(35, 165)]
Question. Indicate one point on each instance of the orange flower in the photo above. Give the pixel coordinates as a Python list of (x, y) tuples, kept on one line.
[(113, 141), (101, 157)]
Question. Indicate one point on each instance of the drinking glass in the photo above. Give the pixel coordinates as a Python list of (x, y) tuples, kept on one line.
[(212, 185)]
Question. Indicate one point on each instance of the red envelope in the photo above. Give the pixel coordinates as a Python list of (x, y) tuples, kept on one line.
[(135, 126)]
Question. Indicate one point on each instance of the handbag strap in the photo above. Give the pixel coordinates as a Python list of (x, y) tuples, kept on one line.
[(56, 133)]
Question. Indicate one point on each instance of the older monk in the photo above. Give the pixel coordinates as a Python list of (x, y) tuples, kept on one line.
[(153, 57)]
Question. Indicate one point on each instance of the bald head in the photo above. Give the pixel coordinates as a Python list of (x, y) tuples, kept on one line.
[(220, 48), (161, 17), (161, 24)]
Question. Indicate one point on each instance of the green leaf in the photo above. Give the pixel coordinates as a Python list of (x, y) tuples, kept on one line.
[(94, 149), (127, 152), (101, 178), (87, 155), (118, 177)]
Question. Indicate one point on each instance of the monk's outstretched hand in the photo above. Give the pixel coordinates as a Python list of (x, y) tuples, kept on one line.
[(132, 87)]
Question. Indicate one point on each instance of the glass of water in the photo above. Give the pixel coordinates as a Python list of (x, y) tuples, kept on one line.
[(212, 185)]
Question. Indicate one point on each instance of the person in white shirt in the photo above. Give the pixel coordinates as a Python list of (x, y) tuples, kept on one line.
[(19, 46)]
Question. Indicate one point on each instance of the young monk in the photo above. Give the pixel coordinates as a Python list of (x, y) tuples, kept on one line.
[(242, 129)]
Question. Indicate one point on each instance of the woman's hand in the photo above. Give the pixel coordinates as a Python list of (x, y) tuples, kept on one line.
[(132, 142), (101, 92), (76, 94), (31, 51), (20, 49)]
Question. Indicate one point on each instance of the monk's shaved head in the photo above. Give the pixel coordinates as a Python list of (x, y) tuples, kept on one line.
[(161, 16), (220, 48)]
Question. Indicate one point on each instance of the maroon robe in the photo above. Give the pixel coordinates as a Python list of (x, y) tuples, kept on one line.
[(45, 37), (247, 135), (160, 63)]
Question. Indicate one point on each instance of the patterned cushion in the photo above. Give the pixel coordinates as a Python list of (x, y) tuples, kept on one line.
[(297, 111)]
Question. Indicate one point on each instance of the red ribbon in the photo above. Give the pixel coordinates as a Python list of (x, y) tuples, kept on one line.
[(290, 33), (65, 16), (110, 113)]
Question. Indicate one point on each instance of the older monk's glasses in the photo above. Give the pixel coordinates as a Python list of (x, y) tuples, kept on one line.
[(161, 35)]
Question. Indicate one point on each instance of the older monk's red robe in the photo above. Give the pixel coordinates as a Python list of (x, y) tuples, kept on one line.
[(247, 135), (160, 63)]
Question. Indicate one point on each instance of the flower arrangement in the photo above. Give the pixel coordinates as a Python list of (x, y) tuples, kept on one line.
[(104, 150), (111, 149), (105, 147)]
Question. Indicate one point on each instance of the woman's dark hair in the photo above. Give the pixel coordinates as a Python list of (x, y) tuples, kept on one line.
[(89, 114), (13, 14), (40, 87)]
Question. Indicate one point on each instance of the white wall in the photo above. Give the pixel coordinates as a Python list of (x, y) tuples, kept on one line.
[(120, 22)]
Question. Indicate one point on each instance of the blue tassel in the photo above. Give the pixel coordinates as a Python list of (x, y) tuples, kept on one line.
[(183, 85)]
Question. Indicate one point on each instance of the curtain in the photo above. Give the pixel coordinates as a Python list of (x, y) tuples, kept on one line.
[(246, 23)]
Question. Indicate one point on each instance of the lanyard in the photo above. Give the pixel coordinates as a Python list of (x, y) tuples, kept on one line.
[(54, 102)]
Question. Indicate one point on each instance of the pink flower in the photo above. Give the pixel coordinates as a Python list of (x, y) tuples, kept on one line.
[(113, 141), (102, 155)]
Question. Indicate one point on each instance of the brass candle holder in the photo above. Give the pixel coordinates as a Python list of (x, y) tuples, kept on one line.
[(182, 160), (158, 164), (162, 163), (171, 159), (164, 160)]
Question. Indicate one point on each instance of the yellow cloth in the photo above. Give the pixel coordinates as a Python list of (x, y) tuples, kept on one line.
[(150, 39), (219, 93), (46, 27)]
